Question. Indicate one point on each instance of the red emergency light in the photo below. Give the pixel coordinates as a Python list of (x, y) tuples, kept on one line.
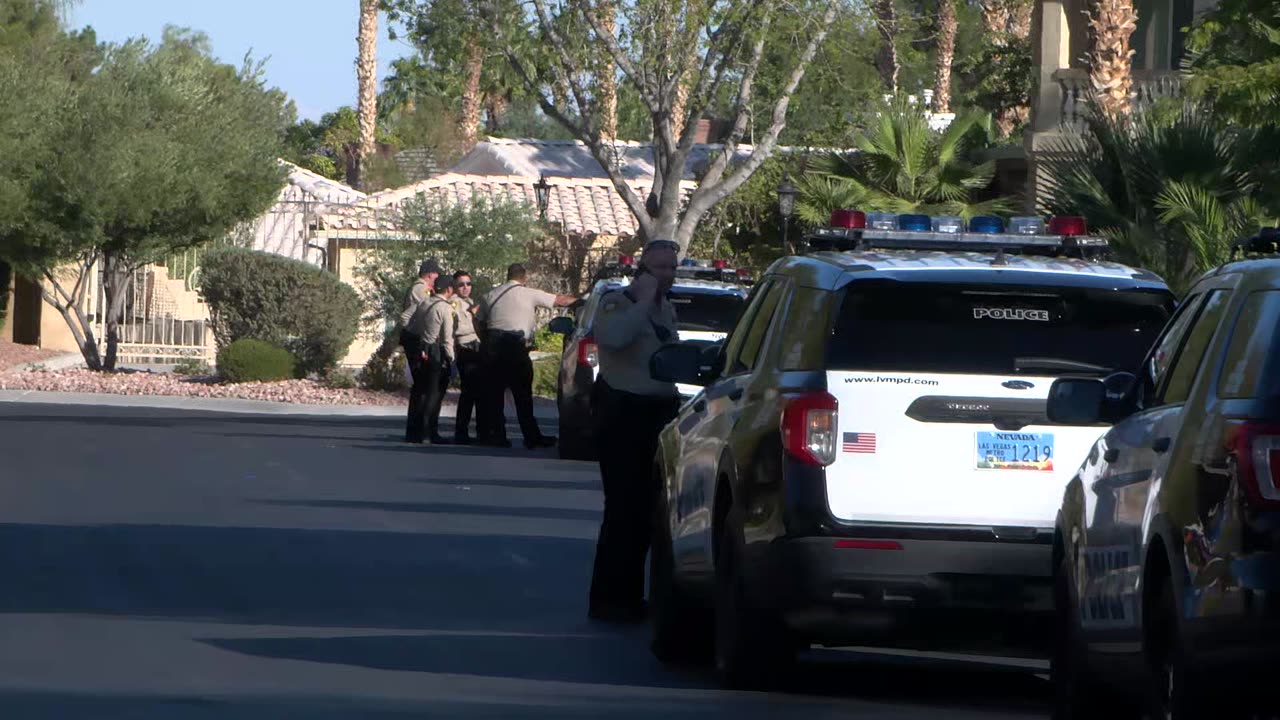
[(719, 264), (1068, 225), (626, 260), (848, 219)]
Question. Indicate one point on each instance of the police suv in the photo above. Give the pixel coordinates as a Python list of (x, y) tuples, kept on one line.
[(708, 297), (869, 461), (1168, 547)]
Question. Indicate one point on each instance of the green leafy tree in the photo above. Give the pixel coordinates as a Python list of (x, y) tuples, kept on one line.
[(904, 166), (158, 149), (1234, 60), (482, 237), (1170, 194)]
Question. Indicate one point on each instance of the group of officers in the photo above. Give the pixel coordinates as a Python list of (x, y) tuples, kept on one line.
[(488, 343), (444, 331)]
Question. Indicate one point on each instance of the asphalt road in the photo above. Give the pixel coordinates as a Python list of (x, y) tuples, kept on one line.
[(179, 565)]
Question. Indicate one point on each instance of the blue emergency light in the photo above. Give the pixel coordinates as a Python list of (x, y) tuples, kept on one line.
[(986, 224)]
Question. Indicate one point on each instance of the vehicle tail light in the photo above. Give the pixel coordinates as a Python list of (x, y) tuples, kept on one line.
[(1067, 225), (719, 264), (626, 260), (1256, 447), (848, 219), (588, 352), (810, 423)]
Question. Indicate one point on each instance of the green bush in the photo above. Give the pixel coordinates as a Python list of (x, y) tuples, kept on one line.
[(251, 360), (384, 373), (289, 303), (342, 379), (546, 377), (192, 366)]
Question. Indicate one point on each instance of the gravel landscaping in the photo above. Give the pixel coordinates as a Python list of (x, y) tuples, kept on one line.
[(13, 354), (126, 382)]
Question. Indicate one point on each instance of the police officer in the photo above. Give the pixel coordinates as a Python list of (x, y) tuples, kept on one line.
[(433, 323), (509, 315), (630, 409), (421, 289), (467, 343)]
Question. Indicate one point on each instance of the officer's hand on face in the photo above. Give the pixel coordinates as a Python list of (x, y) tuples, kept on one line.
[(644, 288)]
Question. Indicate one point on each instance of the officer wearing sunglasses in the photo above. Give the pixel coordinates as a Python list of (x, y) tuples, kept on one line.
[(630, 409)]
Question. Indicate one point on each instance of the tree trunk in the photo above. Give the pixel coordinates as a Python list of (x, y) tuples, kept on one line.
[(680, 107), (1111, 23), (471, 95), (73, 315), (495, 109), (367, 82), (887, 63), (995, 20), (947, 28), (116, 281), (608, 82)]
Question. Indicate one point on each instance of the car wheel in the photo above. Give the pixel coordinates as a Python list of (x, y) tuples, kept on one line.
[(1174, 695), (681, 632), (1078, 694), (752, 649)]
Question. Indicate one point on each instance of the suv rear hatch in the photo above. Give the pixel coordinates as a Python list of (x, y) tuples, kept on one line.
[(942, 388)]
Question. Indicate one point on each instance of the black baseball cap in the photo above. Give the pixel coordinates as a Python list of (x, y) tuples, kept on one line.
[(430, 265), (444, 282)]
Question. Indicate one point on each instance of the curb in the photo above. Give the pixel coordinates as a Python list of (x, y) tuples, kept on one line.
[(236, 406)]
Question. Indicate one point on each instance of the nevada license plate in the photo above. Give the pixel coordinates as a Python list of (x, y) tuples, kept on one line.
[(1014, 451)]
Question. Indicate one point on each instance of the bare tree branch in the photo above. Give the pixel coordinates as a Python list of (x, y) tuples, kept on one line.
[(636, 74), (742, 104), (708, 194)]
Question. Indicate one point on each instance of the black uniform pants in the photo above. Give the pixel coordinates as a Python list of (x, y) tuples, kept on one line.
[(430, 381), (471, 376), (627, 427), (507, 367)]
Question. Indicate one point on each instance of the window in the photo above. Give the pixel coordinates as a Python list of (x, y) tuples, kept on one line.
[(754, 339), (1253, 343), (803, 342), (1181, 375), (707, 312), (734, 344), (1162, 355), (993, 329)]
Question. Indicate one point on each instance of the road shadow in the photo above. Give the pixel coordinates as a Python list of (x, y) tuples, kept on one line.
[(322, 578), (548, 513), (588, 483)]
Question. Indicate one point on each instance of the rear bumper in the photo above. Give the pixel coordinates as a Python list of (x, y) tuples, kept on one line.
[(923, 593), (1243, 632)]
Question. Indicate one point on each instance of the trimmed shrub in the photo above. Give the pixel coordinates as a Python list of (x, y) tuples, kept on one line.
[(384, 373), (546, 377), (251, 360), (297, 306)]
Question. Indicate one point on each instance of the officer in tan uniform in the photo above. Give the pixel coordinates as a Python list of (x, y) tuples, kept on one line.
[(421, 289), (509, 316), (433, 323), (467, 342), (630, 409)]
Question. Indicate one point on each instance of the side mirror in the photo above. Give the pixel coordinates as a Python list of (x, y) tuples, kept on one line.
[(1076, 401), (561, 325), (677, 363)]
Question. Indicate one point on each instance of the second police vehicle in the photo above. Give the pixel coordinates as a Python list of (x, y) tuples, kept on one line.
[(708, 297), (870, 460)]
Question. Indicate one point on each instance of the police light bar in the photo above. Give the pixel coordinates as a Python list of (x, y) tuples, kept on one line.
[(1266, 242), (854, 230)]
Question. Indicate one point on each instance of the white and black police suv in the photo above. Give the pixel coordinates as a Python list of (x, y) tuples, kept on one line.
[(708, 297), (869, 460)]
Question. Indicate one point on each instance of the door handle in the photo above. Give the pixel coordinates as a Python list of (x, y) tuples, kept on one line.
[(736, 394), (1111, 455), (1161, 444)]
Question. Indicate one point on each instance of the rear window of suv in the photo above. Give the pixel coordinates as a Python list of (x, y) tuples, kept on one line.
[(992, 329), (707, 312)]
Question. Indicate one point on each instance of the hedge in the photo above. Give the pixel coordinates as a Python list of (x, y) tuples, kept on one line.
[(295, 305), (250, 360)]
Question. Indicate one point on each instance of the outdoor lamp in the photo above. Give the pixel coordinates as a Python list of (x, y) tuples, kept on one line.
[(542, 193), (786, 206)]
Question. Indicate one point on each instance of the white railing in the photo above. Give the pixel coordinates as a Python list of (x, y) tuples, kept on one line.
[(162, 319), (1149, 87)]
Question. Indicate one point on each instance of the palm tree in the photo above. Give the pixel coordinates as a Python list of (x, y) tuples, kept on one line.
[(904, 166), (607, 83), (948, 26), (886, 14), (472, 98), (367, 80), (1110, 60), (1171, 194)]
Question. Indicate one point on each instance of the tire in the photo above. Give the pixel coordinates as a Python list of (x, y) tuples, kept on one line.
[(680, 630), (1174, 694), (1078, 694), (753, 651)]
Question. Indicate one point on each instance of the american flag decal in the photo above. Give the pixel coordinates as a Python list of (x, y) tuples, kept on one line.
[(860, 443)]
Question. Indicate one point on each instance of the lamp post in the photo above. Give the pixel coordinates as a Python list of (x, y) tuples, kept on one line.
[(786, 206), (542, 193)]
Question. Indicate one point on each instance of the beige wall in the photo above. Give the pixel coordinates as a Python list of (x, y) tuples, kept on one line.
[(369, 337)]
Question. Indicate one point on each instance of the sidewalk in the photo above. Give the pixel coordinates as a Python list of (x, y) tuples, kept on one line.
[(543, 409)]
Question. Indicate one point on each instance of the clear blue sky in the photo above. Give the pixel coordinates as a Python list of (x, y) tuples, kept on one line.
[(309, 45)]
